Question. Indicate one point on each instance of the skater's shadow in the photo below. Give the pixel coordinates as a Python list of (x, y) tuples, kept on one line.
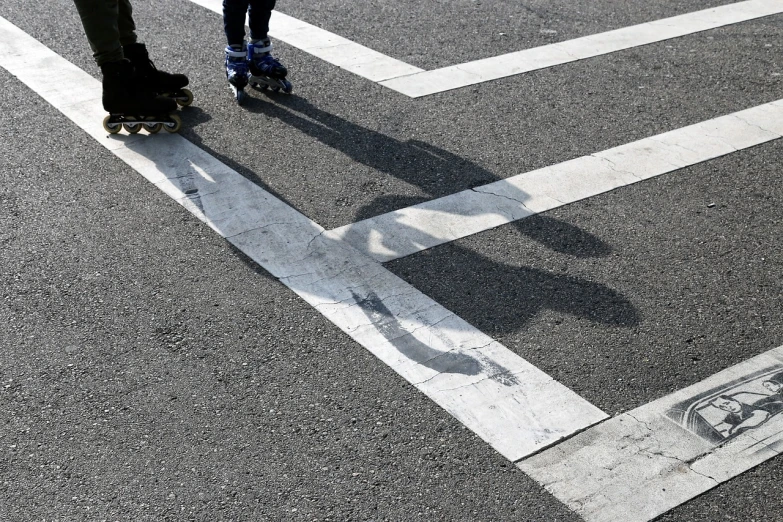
[(523, 291), (194, 116), (496, 296), (501, 297), (436, 171)]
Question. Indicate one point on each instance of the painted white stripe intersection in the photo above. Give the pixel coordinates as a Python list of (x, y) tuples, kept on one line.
[(514, 406), (415, 82), (647, 461), (462, 75), (406, 231)]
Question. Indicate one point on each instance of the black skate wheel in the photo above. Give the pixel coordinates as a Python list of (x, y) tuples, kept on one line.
[(186, 99), (240, 97), (275, 89), (153, 128), (175, 125), (111, 128)]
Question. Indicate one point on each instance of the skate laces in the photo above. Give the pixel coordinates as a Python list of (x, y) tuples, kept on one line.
[(267, 63), (138, 55), (149, 65)]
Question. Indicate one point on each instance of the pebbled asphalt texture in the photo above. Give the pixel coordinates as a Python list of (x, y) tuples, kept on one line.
[(150, 372)]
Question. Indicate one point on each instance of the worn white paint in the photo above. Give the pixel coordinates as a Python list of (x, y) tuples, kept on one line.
[(641, 464), (462, 75), (512, 405), (329, 47), (407, 231)]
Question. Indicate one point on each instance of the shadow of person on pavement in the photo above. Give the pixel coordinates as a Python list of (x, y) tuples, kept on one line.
[(509, 295), (436, 171)]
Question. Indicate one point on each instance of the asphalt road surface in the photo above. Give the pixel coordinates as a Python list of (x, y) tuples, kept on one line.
[(151, 369)]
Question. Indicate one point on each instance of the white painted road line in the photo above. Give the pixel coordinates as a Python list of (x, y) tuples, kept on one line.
[(462, 75), (404, 232), (509, 403), (329, 47), (643, 463), (415, 82)]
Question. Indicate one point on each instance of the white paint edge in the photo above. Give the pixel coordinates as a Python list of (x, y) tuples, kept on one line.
[(643, 463), (329, 47), (447, 78), (410, 230), (512, 405)]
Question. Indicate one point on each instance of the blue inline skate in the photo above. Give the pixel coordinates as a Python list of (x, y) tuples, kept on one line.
[(265, 70), (237, 71)]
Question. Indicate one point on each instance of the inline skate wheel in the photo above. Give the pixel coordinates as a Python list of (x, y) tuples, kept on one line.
[(240, 97), (131, 126), (153, 128), (111, 128), (288, 88), (186, 98), (174, 126)]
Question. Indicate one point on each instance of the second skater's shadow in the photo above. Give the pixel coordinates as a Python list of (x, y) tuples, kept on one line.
[(501, 298), (498, 297), (437, 172)]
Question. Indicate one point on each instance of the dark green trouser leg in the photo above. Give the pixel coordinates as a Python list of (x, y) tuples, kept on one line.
[(108, 25)]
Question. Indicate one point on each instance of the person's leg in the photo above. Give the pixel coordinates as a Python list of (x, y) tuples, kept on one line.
[(108, 24), (147, 75), (260, 12), (125, 23), (262, 63), (100, 21), (234, 14)]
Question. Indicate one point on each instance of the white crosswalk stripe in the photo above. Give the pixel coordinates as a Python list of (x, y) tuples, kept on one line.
[(634, 466), (642, 463), (431, 82), (415, 82), (410, 230), (508, 402)]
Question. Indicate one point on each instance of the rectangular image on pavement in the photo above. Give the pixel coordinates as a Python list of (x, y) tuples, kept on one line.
[(649, 460)]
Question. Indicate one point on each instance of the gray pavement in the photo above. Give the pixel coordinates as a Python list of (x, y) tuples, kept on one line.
[(149, 371), (472, 29)]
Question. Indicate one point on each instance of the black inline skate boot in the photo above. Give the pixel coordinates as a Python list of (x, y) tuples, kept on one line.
[(159, 82), (237, 71), (133, 106), (265, 70)]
